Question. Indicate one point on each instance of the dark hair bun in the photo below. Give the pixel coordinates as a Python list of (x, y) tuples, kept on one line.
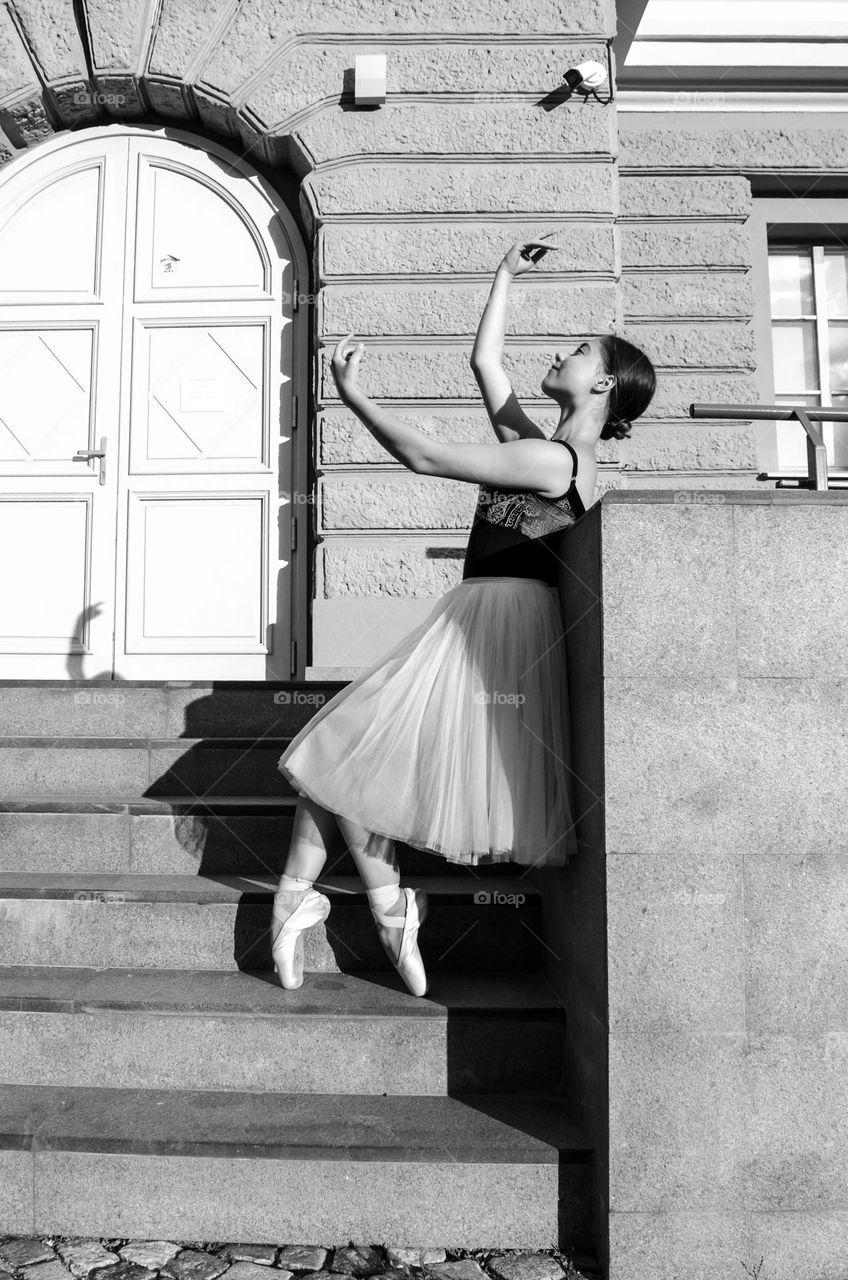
[(616, 429)]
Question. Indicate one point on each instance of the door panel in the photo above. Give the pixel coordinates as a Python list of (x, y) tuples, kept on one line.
[(144, 287)]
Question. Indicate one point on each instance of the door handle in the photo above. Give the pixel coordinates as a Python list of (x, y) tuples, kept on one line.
[(83, 455)]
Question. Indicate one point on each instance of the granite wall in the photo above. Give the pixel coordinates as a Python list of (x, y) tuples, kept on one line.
[(699, 938)]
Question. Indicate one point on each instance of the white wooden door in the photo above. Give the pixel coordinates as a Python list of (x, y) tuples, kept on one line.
[(146, 292)]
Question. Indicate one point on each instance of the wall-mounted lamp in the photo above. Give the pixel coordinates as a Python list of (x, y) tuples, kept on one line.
[(369, 79), (589, 76)]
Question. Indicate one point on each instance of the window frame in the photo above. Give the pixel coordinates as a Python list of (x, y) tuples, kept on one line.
[(773, 221)]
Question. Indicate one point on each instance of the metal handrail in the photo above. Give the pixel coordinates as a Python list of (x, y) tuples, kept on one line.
[(808, 418)]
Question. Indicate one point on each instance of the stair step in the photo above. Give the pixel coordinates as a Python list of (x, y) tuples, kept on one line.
[(177, 1029), (160, 708), (156, 835), (188, 767), (223, 922), (511, 1171)]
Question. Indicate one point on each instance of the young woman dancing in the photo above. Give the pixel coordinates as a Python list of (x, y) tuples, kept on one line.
[(456, 740)]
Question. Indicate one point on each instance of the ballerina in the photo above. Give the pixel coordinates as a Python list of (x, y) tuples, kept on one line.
[(456, 740)]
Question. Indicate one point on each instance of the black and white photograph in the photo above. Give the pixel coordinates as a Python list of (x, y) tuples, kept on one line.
[(423, 640)]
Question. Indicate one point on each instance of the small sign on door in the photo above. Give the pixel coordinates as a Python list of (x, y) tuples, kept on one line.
[(200, 394)]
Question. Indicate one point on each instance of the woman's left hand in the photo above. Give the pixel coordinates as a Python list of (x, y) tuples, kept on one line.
[(345, 365)]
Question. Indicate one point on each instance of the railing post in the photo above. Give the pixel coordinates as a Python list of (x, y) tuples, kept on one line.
[(816, 451)]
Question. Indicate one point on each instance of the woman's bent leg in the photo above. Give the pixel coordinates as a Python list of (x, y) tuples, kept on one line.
[(312, 835)]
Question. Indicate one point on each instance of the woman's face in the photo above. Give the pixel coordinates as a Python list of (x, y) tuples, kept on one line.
[(574, 371)]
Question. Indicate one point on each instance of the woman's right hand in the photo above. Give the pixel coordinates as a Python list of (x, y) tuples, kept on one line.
[(513, 261)]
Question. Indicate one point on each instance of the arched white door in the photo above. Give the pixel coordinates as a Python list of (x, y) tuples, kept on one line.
[(147, 286)]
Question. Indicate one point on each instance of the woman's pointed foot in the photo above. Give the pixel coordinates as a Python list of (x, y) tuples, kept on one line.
[(399, 935), (294, 911)]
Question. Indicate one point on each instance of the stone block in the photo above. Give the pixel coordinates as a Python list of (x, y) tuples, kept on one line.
[(311, 73), (404, 569), (261, 25), (672, 765), (114, 28), (412, 1201), (796, 943), (411, 128), (446, 248), (353, 633), (713, 195), (427, 186), (788, 615), (17, 73), (796, 1122), (669, 589), (676, 939), (667, 245), (677, 1122), (543, 307), (698, 446), (676, 391), (342, 438), (419, 370), (690, 346), (404, 501), (699, 1245), (184, 27), (764, 145), (695, 294), (789, 741)]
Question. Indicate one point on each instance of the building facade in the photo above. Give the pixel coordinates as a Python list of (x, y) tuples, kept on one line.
[(234, 212)]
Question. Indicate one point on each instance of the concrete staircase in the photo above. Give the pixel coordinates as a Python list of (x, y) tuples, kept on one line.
[(158, 1082)]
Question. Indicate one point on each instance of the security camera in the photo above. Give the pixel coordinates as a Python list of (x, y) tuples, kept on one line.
[(588, 76)]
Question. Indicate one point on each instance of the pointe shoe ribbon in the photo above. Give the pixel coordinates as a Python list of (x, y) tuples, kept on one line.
[(287, 934), (409, 963)]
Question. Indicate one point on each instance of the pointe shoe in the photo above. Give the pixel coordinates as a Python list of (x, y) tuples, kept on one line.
[(288, 930), (409, 964)]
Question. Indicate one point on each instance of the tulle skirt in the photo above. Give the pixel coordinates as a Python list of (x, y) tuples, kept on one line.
[(457, 739)]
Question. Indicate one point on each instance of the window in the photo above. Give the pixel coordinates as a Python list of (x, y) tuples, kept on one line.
[(808, 294)]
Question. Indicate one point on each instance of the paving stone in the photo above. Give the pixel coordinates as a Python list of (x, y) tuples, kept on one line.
[(358, 1260), (150, 1253), (124, 1270), (254, 1271), (195, 1264), (54, 1270), (462, 1269), (525, 1266), (15, 1254), (263, 1254), (414, 1257), (302, 1257), (81, 1257), (319, 1275)]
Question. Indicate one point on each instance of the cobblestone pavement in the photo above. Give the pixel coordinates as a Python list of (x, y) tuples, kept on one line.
[(63, 1257)]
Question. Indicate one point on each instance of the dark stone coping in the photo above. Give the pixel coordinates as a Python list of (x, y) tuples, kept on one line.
[(68, 989), (737, 497), (212, 686), (232, 806), (226, 889), (464, 1128), (251, 743)]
